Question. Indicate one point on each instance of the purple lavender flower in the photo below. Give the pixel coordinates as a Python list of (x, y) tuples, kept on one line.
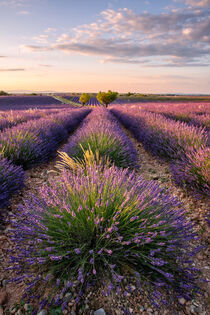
[(55, 258), (153, 245), (101, 131), (11, 180), (186, 145), (77, 251)]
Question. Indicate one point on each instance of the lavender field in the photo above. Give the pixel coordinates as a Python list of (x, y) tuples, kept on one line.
[(26, 102), (103, 206)]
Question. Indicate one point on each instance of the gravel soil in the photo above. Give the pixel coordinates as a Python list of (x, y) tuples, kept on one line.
[(151, 168)]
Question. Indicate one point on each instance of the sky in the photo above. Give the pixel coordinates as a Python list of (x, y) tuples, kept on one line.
[(153, 46)]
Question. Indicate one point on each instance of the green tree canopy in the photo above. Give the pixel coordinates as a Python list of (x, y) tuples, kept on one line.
[(3, 93), (84, 98), (106, 98)]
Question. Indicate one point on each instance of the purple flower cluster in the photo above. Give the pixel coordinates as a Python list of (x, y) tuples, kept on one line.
[(11, 118), (11, 179), (25, 102), (184, 145), (191, 119), (164, 137), (90, 224), (193, 169), (177, 108), (34, 141), (101, 132), (197, 114), (186, 114)]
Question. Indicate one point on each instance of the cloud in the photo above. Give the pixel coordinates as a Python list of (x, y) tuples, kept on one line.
[(161, 77), (46, 66), (198, 3), (179, 65), (121, 60), (50, 29), (41, 39), (181, 62), (200, 34), (13, 3), (23, 12), (34, 48), (179, 37), (11, 69), (63, 38)]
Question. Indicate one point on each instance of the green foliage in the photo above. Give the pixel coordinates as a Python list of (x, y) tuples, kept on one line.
[(19, 146), (106, 98), (89, 159), (3, 93), (84, 98), (103, 223), (66, 101), (56, 311), (129, 94), (106, 146)]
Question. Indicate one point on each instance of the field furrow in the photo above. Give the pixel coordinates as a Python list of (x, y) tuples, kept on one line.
[(101, 221)]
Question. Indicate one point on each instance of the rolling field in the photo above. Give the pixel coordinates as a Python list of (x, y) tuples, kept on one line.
[(104, 208), (26, 102)]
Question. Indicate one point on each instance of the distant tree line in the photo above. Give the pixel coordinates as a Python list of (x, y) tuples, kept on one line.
[(3, 93)]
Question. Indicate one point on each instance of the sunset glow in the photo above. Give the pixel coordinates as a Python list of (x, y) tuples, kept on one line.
[(137, 46)]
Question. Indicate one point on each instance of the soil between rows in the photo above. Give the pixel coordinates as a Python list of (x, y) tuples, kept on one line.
[(151, 168)]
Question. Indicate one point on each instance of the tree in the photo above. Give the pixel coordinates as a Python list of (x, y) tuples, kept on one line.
[(3, 93), (106, 98), (84, 98)]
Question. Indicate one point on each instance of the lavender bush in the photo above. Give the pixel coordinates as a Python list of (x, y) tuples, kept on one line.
[(197, 114), (193, 170), (13, 118), (11, 179), (103, 226), (4, 123), (20, 146), (185, 146), (101, 132), (36, 141), (191, 119), (164, 137)]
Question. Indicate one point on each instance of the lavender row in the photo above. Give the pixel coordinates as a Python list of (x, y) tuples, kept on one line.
[(184, 145), (195, 114), (13, 118), (188, 108), (101, 132), (25, 102), (192, 119), (11, 179), (163, 136), (35, 141), (92, 101)]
